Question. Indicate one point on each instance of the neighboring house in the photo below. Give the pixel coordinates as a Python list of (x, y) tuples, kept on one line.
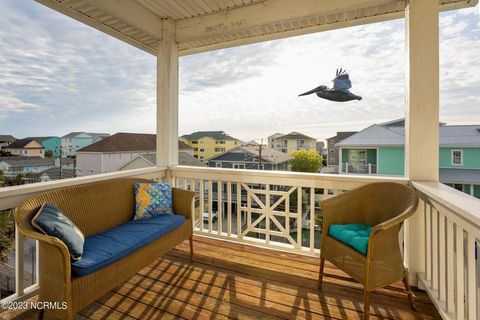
[(320, 146), (207, 144), (244, 157), (51, 174), (53, 144), (6, 140), (113, 152), (15, 165), (332, 150), (380, 147), (27, 147), (287, 143), (149, 160), (76, 140)]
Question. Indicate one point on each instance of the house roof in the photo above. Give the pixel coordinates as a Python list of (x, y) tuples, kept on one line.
[(342, 135), (22, 143), (294, 135), (7, 137), (72, 134), (268, 154), (54, 173), (379, 135), (464, 176), (41, 139), (211, 24), (124, 142), (182, 146), (216, 135), (184, 159), (20, 161)]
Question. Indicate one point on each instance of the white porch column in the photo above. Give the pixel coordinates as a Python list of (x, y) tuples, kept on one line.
[(422, 116), (167, 97)]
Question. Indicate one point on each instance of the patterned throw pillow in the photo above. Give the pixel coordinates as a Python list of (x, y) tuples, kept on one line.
[(152, 199), (52, 222)]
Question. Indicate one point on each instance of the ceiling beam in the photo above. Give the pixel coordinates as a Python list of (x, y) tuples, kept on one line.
[(263, 14)]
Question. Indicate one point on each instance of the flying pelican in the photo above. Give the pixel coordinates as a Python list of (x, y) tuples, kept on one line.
[(339, 92)]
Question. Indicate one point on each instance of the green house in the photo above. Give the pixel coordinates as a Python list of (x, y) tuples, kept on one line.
[(380, 149)]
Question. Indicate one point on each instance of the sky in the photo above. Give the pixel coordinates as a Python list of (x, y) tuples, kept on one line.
[(58, 75)]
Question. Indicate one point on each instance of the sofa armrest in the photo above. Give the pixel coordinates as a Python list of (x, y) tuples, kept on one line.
[(182, 202)]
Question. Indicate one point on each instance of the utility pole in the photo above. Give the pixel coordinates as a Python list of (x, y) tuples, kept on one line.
[(260, 155)]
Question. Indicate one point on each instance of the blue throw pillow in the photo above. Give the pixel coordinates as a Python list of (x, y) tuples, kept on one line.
[(52, 222), (152, 199)]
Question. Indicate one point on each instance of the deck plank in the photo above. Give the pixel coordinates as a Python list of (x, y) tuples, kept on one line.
[(237, 281)]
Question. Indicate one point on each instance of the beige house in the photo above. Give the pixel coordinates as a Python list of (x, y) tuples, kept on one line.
[(26, 147), (287, 143), (149, 160)]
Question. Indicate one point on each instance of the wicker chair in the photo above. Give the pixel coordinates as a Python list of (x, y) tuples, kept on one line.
[(384, 206)]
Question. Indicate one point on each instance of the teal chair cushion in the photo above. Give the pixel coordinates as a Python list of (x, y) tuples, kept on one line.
[(353, 235)]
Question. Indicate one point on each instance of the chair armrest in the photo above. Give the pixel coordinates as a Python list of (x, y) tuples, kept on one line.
[(182, 202), (396, 220)]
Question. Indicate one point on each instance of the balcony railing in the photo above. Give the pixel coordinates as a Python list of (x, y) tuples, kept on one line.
[(369, 168), (452, 268), (279, 210)]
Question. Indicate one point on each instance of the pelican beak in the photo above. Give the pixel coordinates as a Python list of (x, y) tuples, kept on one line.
[(308, 92)]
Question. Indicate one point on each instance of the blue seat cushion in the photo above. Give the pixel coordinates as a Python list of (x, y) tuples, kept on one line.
[(353, 235), (109, 246)]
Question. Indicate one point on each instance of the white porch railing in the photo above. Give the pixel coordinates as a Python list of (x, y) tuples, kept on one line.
[(452, 269), (12, 196), (273, 209)]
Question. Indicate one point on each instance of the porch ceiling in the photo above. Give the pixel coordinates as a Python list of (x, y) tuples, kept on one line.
[(203, 25)]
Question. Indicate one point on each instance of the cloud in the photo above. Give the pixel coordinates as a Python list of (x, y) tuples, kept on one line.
[(58, 75)]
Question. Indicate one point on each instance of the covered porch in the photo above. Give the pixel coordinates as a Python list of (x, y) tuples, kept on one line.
[(439, 241)]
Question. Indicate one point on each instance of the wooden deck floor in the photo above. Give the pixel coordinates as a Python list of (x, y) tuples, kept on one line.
[(233, 281)]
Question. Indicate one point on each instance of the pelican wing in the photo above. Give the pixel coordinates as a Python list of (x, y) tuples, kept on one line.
[(342, 80)]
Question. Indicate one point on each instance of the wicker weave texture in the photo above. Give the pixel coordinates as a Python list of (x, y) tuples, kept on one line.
[(94, 207), (384, 206)]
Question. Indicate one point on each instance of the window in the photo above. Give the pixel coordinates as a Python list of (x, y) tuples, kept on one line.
[(284, 150), (202, 158), (300, 141), (457, 157), (332, 159), (238, 166), (219, 149), (195, 149), (218, 164), (195, 156), (332, 150), (458, 186), (202, 150), (194, 142), (220, 142)]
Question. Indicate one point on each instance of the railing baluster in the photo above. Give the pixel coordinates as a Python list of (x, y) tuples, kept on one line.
[(210, 205), (287, 214), (428, 215), (267, 214), (219, 206), (441, 258), (450, 269), (202, 202), (229, 209), (192, 188), (312, 219), (460, 292), (299, 217), (239, 210), (249, 210), (435, 260), (471, 277), (19, 265)]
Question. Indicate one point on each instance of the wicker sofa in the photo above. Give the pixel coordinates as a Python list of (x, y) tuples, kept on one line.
[(95, 208)]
